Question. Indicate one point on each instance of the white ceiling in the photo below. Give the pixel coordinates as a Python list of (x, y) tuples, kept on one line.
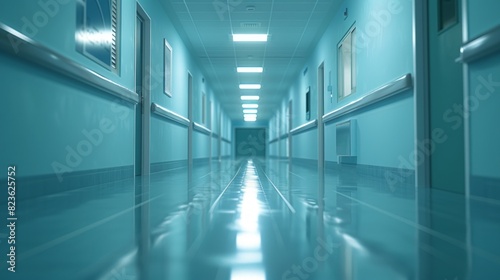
[(294, 28)]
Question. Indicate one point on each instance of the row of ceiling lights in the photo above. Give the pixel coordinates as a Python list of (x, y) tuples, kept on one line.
[(250, 109)]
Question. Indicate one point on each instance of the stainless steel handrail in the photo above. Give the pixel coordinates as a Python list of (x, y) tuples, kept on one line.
[(165, 113), (390, 89), (20, 45)]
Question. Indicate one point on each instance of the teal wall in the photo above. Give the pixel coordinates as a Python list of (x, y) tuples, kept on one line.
[(484, 136), (49, 116), (482, 15), (170, 143), (384, 53), (58, 32), (484, 95), (201, 145)]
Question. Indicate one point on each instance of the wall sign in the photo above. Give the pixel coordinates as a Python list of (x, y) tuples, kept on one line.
[(97, 31)]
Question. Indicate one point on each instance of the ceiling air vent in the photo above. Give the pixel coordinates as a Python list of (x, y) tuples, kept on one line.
[(251, 24)]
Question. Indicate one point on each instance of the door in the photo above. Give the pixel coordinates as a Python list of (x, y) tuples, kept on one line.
[(142, 124), (447, 153), (142, 69), (139, 77), (447, 156)]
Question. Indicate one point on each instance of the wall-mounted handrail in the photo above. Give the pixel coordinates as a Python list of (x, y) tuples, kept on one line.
[(281, 137), (169, 115), (201, 128), (18, 44), (215, 135), (390, 89), (304, 127), (284, 136), (274, 140), (226, 140), (484, 45)]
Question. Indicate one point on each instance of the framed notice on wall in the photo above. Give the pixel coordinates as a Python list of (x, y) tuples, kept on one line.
[(97, 31)]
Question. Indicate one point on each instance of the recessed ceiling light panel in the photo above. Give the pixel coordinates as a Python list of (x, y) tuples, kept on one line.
[(250, 37), (250, 97), (249, 69), (250, 106), (250, 86)]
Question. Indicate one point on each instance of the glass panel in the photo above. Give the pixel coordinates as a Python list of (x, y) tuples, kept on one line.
[(347, 59), (353, 61), (346, 65), (448, 13)]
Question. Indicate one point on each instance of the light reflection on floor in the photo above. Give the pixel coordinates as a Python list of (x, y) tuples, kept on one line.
[(259, 220)]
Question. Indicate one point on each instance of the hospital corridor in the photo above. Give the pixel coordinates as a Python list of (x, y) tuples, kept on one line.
[(249, 139)]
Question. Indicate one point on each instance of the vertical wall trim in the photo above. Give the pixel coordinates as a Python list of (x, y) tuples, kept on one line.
[(290, 124), (321, 109), (143, 212), (146, 112), (465, 38), (421, 86), (422, 125), (190, 117), (219, 132)]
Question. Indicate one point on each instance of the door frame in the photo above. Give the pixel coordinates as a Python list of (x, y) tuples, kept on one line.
[(190, 90), (321, 109), (146, 90), (421, 89)]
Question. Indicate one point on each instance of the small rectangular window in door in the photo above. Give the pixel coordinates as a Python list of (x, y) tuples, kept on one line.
[(448, 13)]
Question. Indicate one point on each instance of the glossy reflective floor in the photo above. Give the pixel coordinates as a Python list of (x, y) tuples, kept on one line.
[(256, 219)]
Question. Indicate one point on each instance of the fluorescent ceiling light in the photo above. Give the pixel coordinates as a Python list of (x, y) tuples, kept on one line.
[(249, 111), (250, 37), (249, 69), (250, 86), (250, 97), (251, 116), (250, 106)]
